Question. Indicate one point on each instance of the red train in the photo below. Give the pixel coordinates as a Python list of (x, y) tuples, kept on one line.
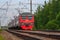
[(25, 21)]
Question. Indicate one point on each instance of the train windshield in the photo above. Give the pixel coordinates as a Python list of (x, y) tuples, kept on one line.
[(23, 17), (29, 17)]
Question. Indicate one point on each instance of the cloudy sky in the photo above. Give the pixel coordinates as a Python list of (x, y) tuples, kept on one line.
[(5, 17)]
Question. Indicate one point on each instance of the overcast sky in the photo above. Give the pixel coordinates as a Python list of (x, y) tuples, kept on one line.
[(6, 17)]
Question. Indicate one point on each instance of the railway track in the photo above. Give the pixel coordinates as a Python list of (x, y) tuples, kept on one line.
[(43, 34), (56, 31), (35, 35), (23, 35)]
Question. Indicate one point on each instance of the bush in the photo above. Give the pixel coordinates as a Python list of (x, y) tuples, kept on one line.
[(34, 28), (58, 17), (52, 25)]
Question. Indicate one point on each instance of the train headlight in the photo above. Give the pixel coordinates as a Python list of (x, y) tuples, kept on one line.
[(31, 23), (22, 23)]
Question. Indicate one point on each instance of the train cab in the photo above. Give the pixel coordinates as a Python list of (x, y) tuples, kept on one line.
[(26, 21)]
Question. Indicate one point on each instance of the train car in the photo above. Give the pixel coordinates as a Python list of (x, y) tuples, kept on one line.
[(26, 21)]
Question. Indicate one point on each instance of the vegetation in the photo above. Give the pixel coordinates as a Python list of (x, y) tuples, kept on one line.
[(1, 38), (0, 30), (48, 16)]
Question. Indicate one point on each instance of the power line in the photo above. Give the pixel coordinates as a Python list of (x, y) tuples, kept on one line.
[(31, 4), (19, 9), (2, 10)]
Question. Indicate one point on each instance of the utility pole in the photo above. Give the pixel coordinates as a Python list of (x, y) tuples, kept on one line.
[(7, 7), (31, 6), (0, 22)]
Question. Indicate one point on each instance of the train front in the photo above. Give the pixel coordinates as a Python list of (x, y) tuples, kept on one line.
[(26, 21)]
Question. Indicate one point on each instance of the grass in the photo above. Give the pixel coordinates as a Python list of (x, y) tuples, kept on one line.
[(1, 38)]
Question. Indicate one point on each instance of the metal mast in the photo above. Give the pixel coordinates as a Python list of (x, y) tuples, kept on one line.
[(0, 22), (31, 6)]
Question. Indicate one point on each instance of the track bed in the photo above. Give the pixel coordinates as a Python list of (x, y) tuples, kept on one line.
[(35, 35)]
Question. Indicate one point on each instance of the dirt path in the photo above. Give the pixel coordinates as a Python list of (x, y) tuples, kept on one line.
[(9, 36)]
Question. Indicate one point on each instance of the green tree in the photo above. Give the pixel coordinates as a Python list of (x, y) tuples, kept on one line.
[(48, 15)]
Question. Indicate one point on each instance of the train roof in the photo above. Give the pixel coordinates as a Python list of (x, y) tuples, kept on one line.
[(26, 13)]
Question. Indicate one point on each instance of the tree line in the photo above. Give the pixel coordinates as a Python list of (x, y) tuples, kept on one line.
[(47, 17)]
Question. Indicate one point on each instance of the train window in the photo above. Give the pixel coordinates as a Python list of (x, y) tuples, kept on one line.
[(23, 17), (29, 17)]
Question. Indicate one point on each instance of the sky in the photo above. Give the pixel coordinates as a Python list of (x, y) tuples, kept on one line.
[(6, 17)]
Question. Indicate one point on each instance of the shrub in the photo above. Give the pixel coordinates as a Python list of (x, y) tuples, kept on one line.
[(52, 25)]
